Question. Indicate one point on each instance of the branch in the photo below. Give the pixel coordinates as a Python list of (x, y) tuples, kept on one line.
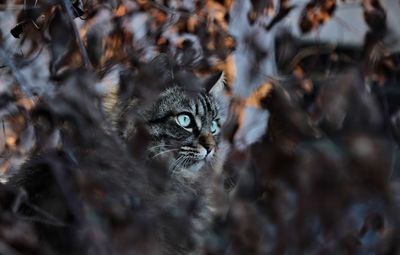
[(23, 83), (67, 6)]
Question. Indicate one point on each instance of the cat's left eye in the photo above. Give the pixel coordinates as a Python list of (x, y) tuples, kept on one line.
[(183, 120), (214, 127)]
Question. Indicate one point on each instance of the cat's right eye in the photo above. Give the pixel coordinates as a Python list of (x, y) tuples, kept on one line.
[(183, 120)]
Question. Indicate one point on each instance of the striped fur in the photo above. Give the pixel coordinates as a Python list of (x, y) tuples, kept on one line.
[(186, 149)]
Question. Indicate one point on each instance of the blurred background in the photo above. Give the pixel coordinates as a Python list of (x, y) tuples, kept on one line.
[(314, 131)]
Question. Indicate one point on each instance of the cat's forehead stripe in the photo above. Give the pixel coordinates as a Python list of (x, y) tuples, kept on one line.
[(208, 103), (212, 106), (214, 109), (205, 102), (196, 108), (201, 106), (207, 106)]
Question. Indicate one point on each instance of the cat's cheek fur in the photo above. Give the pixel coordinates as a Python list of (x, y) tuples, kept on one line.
[(196, 167), (202, 153)]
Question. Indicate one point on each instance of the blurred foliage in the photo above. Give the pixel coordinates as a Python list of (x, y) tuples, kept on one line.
[(314, 163)]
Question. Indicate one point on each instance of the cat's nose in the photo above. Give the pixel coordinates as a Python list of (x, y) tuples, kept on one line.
[(208, 147), (208, 142)]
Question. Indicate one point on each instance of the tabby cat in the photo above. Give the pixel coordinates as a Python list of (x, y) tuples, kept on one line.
[(184, 126), (184, 129), (184, 135)]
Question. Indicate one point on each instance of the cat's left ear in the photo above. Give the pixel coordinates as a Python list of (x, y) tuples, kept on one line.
[(217, 88)]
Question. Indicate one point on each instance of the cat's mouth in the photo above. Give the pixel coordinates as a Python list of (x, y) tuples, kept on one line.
[(184, 158), (192, 164), (203, 156)]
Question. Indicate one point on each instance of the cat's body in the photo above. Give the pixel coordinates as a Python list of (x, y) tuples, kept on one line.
[(182, 148), (184, 132)]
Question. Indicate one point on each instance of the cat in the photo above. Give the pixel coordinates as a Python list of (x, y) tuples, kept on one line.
[(187, 131), (183, 121), (183, 133), (184, 128)]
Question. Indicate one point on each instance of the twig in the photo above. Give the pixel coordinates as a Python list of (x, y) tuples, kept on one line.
[(283, 11), (179, 13), (309, 52), (15, 7), (346, 25), (46, 218), (67, 6), (41, 220), (66, 189), (4, 129), (27, 61), (6, 249), (17, 74), (172, 11)]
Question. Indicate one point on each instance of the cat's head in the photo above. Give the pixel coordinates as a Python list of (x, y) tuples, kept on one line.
[(186, 129)]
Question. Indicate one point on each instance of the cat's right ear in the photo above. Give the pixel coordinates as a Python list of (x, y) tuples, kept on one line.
[(219, 91)]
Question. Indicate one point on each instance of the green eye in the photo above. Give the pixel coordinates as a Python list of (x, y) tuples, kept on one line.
[(183, 120), (214, 127)]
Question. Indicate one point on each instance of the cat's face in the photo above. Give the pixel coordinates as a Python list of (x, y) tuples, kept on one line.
[(187, 130)]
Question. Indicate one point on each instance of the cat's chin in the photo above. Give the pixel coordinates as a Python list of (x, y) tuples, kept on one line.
[(192, 172), (197, 166)]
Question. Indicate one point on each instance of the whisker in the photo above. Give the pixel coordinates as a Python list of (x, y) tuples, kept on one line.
[(163, 152), (159, 146), (184, 163), (190, 149), (175, 165)]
